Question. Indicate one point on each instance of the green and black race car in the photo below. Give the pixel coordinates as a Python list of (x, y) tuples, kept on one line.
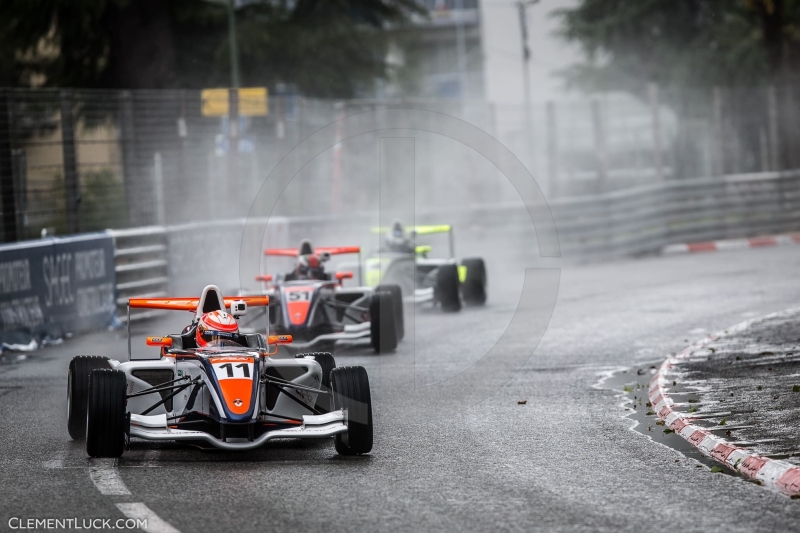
[(402, 262)]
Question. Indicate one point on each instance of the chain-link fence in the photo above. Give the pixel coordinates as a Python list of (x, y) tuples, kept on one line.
[(83, 160)]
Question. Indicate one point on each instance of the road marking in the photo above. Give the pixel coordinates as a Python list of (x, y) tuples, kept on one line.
[(139, 511), (105, 476), (57, 462)]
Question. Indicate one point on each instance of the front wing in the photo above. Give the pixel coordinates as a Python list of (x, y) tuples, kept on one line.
[(351, 333), (155, 428)]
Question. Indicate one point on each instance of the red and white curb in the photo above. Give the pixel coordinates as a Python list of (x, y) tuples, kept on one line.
[(772, 473), (732, 244)]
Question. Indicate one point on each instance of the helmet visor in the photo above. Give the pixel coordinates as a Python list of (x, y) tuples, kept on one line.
[(219, 338)]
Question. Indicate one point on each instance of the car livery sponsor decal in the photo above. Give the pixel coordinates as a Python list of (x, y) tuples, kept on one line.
[(235, 377), (298, 303)]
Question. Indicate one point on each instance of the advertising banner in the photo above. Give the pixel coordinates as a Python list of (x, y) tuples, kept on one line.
[(57, 286)]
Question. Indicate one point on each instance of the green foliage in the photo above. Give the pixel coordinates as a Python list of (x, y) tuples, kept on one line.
[(328, 48), (53, 202), (689, 43), (102, 202)]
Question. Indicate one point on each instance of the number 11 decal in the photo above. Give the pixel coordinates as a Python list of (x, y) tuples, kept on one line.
[(232, 372)]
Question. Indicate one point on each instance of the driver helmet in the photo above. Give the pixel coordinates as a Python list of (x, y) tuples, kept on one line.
[(308, 266), (214, 327), (396, 238)]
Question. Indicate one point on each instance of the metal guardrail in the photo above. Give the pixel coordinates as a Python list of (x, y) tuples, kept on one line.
[(634, 221), (645, 219), (141, 263)]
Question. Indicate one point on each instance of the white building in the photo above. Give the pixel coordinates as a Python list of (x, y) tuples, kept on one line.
[(472, 50)]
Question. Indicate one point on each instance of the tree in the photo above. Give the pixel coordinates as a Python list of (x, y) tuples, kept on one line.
[(688, 48), (328, 48), (688, 43)]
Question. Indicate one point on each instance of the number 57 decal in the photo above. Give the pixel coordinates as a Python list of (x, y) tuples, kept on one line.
[(298, 296)]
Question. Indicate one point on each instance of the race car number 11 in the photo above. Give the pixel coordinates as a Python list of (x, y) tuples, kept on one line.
[(232, 370)]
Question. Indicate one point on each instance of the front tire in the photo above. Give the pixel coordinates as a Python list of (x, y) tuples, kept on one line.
[(105, 422), (397, 297), (80, 369), (474, 286), (383, 322), (351, 392), (327, 363), (447, 288)]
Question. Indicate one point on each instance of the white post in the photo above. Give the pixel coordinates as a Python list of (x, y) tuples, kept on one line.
[(774, 139), (718, 140), (158, 179), (656, 118), (526, 79)]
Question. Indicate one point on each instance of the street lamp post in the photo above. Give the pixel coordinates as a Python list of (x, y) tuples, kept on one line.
[(526, 77), (233, 104), (234, 48), (461, 47)]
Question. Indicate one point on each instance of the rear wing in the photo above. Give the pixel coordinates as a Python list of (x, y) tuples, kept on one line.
[(209, 300), (191, 304), (429, 229), (418, 230), (331, 250)]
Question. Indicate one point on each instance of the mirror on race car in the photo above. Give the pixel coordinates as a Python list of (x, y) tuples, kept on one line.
[(159, 341), (238, 308)]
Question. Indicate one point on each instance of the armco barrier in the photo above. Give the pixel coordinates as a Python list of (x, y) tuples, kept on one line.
[(56, 286), (159, 261), (141, 264)]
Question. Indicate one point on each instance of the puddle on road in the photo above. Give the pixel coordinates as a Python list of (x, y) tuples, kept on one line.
[(633, 384), (11, 359)]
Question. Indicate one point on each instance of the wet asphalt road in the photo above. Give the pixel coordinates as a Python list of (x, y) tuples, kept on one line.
[(457, 454)]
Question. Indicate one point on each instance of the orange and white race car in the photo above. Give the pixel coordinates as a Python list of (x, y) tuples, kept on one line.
[(317, 310), (216, 387)]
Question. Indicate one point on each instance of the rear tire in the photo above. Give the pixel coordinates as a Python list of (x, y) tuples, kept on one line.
[(105, 425), (328, 363), (351, 392), (397, 296), (80, 368), (474, 287), (383, 322), (447, 289)]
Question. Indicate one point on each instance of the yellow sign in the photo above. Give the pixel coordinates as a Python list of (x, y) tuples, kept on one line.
[(252, 102)]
